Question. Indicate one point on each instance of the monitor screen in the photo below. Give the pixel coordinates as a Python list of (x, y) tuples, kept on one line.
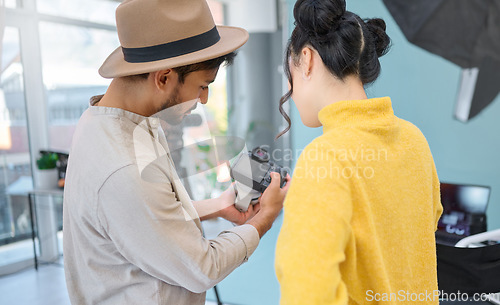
[(461, 203), (471, 199)]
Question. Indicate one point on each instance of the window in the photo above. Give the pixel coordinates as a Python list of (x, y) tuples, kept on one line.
[(71, 57), (12, 3), (99, 11), (15, 169)]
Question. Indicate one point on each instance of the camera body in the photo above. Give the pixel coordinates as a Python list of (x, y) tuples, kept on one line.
[(252, 172)]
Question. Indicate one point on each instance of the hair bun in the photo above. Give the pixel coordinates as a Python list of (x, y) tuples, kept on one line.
[(318, 18), (377, 28)]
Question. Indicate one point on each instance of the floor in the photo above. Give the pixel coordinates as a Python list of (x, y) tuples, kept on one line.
[(47, 286), (29, 287)]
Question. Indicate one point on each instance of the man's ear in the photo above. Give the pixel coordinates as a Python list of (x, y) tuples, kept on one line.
[(163, 79)]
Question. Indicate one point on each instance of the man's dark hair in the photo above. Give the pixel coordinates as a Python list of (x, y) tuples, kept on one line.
[(184, 71), (211, 64)]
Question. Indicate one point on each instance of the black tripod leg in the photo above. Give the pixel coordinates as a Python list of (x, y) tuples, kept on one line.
[(217, 296)]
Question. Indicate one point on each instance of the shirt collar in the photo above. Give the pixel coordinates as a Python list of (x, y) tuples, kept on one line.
[(152, 123)]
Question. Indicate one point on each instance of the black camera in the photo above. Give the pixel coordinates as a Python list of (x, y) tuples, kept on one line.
[(254, 170)]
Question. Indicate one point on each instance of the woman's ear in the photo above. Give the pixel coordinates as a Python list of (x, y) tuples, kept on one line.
[(306, 62)]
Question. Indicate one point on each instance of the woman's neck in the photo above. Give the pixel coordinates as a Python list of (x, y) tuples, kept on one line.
[(335, 91)]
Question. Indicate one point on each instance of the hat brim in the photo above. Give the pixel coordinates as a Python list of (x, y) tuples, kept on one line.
[(231, 38)]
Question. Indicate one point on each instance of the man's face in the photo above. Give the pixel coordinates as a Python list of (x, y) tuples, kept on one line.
[(185, 96)]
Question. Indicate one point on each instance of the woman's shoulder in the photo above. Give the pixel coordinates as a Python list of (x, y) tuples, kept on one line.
[(411, 132)]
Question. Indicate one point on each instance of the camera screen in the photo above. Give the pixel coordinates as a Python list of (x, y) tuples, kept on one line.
[(248, 171), (260, 153)]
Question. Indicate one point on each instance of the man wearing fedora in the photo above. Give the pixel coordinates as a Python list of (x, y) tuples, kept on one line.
[(132, 235)]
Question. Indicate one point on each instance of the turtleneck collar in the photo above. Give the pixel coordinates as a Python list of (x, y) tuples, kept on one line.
[(368, 112)]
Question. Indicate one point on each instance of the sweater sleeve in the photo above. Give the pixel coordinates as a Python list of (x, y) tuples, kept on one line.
[(315, 231)]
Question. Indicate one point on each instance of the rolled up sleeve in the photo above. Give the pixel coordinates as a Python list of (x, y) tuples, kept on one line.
[(248, 235), (147, 223)]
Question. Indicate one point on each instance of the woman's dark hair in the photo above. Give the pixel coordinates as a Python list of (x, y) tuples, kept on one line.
[(347, 44)]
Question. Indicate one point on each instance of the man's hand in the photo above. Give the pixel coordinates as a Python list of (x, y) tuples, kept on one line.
[(230, 212), (261, 215), (223, 206)]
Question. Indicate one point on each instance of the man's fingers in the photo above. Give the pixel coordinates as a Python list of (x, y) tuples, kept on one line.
[(287, 185), (275, 178), (256, 208), (250, 209)]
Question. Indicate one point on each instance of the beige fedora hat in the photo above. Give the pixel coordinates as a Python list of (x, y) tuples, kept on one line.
[(162, 34)]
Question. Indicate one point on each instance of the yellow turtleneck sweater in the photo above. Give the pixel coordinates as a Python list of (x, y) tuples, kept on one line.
[(361, 212)]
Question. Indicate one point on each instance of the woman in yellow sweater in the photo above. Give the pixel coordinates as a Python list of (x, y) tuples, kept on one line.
[(364, 200)]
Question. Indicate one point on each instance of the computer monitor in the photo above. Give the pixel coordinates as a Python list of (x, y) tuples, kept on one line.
[(464, 208)]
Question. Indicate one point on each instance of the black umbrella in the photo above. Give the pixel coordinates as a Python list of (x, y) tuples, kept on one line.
[(465, 32)]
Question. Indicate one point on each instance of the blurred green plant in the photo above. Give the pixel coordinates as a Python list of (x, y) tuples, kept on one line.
[(209, 169), (47, 161)]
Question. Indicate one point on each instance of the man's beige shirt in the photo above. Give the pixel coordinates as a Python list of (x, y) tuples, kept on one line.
[(131, 233)]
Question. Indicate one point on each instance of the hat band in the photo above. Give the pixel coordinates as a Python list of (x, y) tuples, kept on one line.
[(172, 49)]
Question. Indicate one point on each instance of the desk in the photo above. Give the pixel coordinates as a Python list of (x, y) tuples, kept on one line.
[(24, 187), (49, 220)]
